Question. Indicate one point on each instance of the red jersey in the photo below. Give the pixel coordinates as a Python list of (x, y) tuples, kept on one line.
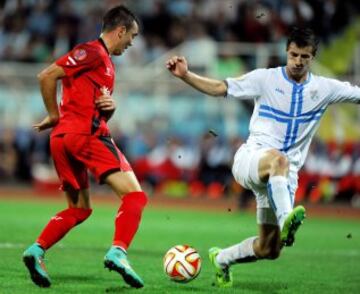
[(88, 68)]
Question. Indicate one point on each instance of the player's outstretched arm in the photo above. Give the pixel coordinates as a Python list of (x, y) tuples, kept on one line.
[(48, 81), (179, 68)]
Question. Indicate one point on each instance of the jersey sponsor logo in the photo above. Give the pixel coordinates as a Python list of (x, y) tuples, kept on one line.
[(280, 91), (80, 54), (108, 71)]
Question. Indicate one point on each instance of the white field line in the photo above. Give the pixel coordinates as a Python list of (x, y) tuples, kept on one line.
[(11, 245), (340, 252), (8, 245)]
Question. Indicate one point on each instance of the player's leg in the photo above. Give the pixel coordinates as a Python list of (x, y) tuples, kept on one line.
[(59, 225), (127, 187), (72, 174), (249, 170), (266, 245), (245, 161), (102, 157), (110, 166), (74, 182), (274, 169)]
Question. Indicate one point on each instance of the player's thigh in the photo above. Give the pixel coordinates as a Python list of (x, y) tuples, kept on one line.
[(246, 166), (272, 162), (123, 182), (72, 172), (99, 154)]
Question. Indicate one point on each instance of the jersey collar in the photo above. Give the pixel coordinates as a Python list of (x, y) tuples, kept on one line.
[(103, 44), (283, 70)]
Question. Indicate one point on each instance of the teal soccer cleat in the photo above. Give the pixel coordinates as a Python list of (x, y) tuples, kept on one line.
[(116, 260), (223, 276), (292, 224), (33, 258)]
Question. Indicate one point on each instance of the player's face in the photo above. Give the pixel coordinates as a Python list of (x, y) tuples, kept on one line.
[(125, 38), (299, 61)]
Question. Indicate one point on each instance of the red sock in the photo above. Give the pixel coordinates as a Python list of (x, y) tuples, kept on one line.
[(128, 218), (60, 224)]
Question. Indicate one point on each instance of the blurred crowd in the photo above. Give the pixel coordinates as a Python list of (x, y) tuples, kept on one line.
[(41, 30), (178, 166)]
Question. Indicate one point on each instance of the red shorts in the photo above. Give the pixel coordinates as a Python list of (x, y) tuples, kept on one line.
[(75, 154)]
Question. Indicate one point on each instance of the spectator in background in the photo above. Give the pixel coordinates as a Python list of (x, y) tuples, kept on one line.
[(165, 22), (24, 143), (40, 20), (200, 47), (215, 161), (8, 156), (296, 12), (14, 38)]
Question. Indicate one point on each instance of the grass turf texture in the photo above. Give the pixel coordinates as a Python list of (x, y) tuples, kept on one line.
[(324, 259)]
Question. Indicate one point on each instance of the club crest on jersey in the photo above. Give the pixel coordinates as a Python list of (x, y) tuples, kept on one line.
[(313, 95), (80, 54)]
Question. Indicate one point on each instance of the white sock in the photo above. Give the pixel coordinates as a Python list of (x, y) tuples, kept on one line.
[(279, 198), (242, 252)]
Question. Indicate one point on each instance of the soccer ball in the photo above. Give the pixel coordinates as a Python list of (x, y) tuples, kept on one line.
[(182, 263)]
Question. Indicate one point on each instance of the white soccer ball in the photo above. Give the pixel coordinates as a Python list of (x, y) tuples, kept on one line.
[(182, 263)]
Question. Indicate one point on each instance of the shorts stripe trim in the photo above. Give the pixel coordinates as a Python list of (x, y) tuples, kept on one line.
[(104, 175), (109, 144)]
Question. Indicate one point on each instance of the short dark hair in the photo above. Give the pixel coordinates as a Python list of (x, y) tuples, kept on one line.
[(303, 37), (118, 16)]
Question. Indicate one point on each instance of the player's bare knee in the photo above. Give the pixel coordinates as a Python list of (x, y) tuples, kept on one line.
[(268, 253), (279, 165), (83, 205), (273, 254), (262, 252), (130, 189)]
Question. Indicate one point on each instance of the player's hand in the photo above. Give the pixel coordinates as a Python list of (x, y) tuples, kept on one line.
[(105, 103), (47, 123), (178, 66)]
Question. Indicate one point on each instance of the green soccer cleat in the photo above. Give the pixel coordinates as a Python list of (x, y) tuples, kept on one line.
[(33, 258), (223, 276), (116, 260), (292, 224)]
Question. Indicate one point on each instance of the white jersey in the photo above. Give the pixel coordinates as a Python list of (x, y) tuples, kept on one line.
[(287, 114)]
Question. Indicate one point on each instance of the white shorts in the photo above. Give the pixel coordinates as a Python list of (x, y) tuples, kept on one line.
[(246, 172)]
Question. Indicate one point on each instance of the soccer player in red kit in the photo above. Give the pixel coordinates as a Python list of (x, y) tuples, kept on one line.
[(81, 141)]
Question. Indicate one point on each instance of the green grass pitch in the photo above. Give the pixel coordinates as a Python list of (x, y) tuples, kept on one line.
[(324, 259)]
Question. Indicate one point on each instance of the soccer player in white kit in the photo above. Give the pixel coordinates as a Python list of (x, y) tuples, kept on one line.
[(289, 103)]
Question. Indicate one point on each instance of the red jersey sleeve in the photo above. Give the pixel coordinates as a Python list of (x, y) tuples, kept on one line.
[(82, 58)]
